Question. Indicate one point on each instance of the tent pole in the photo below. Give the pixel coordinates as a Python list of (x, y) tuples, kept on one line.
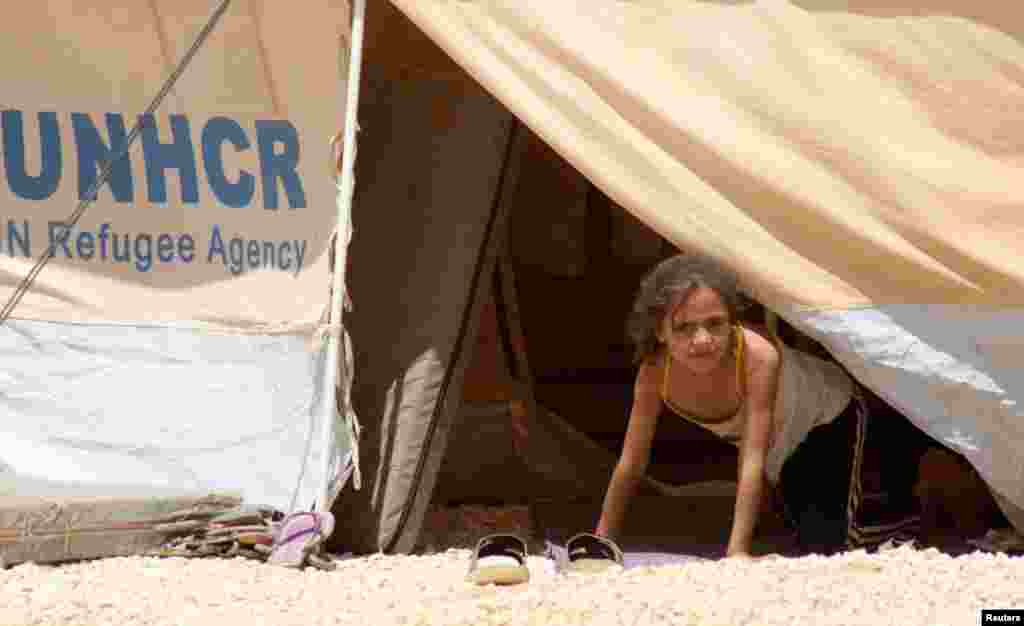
[(346, 186)]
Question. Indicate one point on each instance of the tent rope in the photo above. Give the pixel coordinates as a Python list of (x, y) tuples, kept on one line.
[(65, 231), (338, 373)]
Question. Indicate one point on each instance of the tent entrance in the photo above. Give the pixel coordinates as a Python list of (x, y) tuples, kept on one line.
[(548, 387), (551, 335), (490, 282)]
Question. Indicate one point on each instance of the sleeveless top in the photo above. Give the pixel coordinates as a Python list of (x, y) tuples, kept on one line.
[(728, 427), (810, 392)]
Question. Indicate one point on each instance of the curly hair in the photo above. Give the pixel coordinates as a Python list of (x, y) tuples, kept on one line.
[(675, 277)]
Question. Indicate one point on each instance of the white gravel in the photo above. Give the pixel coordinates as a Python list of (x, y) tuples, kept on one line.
[(901, 586)]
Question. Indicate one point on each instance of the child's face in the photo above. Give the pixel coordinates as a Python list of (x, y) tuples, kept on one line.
[(697, 330)]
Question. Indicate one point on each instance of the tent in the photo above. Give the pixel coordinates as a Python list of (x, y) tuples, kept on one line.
[(853, 163), (174, 350)]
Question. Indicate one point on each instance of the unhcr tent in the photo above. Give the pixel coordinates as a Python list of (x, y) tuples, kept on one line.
[(175, 346), (856, 164)]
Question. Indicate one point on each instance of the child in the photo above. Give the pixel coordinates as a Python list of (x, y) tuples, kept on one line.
[(799, 422)]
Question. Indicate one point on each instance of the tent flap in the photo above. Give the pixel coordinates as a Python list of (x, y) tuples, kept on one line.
[(425, 234)]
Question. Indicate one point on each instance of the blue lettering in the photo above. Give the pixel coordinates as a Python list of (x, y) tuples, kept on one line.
[(94, 154), (59, 233), (21, 183), (144, 252), (300, 254), (21, 239), (273, 166), (186, 248), (217, 131), (252, 252), (285, 247), (269, 254), (104, 237), (98, 145), (236, 249), (179, 155), (216, 246), (86, 245), (165, 248), (125, 254)]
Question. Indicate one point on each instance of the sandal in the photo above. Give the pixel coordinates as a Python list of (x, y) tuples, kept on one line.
[(499, 560), (299, 537), (589, 554)]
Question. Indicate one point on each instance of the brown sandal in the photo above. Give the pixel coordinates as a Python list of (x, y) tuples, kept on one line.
[(589, 554), (499, 560)]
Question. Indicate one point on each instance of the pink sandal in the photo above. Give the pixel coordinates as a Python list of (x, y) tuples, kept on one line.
[(298, 539)]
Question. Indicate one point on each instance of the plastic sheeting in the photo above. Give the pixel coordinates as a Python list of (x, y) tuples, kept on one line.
[(952, 370), (118, 409)]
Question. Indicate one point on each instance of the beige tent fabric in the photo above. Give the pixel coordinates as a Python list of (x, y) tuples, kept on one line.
[(837, 157), (95, 59), (858, 162)]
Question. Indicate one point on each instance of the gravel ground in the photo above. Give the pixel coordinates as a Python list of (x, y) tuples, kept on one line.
[(901, 586)]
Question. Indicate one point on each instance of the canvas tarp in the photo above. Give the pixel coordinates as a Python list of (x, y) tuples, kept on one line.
[(169, 343), (857, 165), (432, 157)]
